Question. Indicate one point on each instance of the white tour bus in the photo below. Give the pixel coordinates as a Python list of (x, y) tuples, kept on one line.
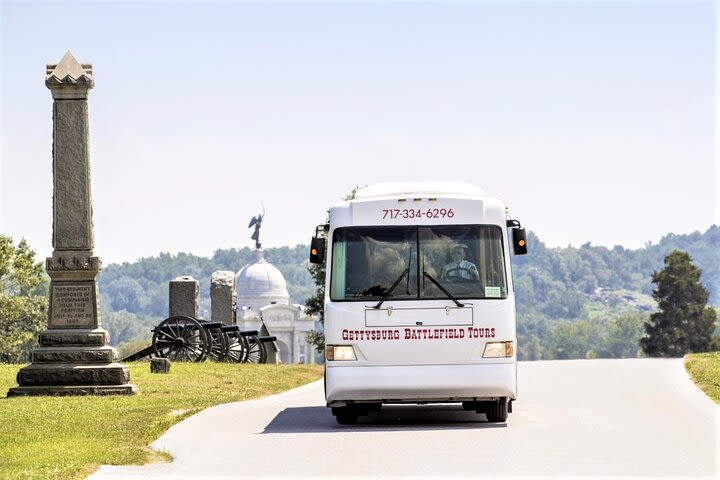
[(419, 301)]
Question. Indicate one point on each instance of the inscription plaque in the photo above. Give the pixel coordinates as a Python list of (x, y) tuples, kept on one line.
[(72, 305)]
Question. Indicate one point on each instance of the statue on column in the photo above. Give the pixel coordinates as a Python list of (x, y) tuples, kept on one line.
[(257, 222)]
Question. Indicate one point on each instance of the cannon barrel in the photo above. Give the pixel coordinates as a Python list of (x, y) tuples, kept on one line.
[(266, 339), (145, 352), (208, 325), (236, 328)]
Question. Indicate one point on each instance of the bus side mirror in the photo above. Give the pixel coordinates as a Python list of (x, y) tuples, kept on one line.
[(519, 241), (317, 250)]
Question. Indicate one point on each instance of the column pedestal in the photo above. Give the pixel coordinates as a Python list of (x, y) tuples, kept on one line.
[(73, 356)]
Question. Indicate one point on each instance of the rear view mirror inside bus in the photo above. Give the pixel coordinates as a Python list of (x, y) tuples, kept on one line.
[(317, 250), (519, 241)]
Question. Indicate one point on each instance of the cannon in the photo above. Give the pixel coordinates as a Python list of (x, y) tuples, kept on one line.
[(189, 339)]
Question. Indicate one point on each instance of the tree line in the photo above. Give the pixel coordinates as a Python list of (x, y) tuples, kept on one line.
[(593, 301), (573, 302), (141, 287)]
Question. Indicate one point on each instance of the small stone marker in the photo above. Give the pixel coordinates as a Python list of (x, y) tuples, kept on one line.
[(222, 297), (184, 297), (159, 365), (73, 356)]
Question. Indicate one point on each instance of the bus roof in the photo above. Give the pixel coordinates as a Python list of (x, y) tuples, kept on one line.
[(394, 189)]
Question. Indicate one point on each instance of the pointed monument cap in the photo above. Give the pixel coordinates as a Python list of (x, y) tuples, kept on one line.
[(69, 78)]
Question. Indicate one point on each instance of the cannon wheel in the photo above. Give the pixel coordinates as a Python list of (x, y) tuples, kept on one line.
[(180, 338), (218, 345), (237, 348), (256, 352)]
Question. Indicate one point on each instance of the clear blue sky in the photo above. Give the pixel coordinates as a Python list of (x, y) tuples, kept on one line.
[(593, 121)]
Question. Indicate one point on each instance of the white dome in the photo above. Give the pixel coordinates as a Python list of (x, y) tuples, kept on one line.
[(259, 284)]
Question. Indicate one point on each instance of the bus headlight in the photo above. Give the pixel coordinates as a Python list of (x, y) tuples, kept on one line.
[(340, 352), (498, 350)]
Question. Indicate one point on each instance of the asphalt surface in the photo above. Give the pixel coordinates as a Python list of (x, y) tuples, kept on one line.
[(579, 418)]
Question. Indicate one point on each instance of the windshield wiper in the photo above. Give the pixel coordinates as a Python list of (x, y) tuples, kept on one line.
[(397, 282), (449, 295)]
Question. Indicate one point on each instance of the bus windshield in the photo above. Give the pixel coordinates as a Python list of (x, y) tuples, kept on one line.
[(466, 260)]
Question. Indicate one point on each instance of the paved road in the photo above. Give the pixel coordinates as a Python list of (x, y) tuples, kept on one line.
[(600, 418)]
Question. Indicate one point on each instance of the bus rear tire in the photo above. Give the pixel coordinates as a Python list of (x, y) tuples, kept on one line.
[(497, 411)]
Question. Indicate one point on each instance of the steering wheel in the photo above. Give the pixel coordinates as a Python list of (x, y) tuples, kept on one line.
[(375, 291), (459, 278)]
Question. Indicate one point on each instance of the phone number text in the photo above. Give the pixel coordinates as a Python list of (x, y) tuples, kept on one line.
[(392, 214)]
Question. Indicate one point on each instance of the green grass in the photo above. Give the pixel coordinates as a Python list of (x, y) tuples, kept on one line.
[(69, 437), (704, 369)]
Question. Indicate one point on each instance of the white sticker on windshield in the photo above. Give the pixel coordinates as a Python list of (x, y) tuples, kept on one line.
[(493, 292)]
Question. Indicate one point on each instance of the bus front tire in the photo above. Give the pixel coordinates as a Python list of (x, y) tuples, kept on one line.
[(345, 415), (497, 411)]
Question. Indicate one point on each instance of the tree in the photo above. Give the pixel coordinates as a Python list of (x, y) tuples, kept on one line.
[(23, 300), (579, 339), (316, 305), (129, 295), (623, 335), (126, 327), (683, 324)]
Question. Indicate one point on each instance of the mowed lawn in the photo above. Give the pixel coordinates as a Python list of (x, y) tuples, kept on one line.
[(704, 369), (69, 437)]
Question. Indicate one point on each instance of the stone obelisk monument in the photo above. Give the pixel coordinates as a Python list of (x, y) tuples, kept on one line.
[(73, 356)]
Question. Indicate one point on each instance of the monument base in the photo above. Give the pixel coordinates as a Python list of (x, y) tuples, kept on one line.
[(73, 362), (126, 389), (68, 374), (79, 355), (81, 337)]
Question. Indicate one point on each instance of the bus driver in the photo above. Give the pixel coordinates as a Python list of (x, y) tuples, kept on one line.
[(459, 268)]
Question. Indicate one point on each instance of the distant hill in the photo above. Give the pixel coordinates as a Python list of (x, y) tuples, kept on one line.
[(592, 301), (141, 287), (558, 290), (559, 281)]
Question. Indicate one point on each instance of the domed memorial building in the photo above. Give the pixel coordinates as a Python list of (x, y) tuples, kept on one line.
[(260, 284), (263, 298)]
